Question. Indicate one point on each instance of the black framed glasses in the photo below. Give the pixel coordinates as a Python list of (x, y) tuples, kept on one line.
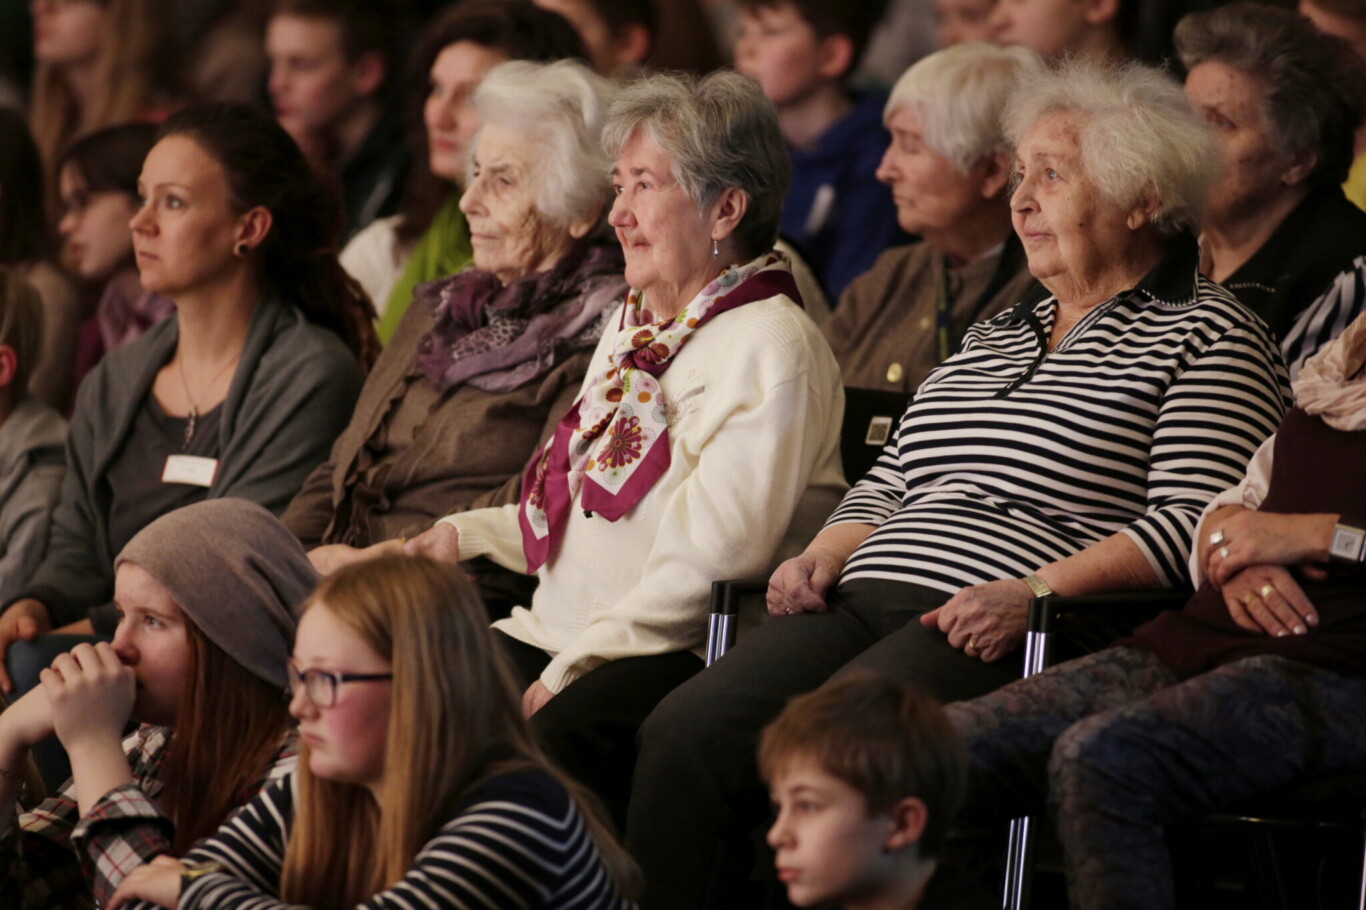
[(321, 685)]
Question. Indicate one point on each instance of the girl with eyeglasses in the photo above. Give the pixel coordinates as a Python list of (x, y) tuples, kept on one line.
[(206, 597), (418, 784)]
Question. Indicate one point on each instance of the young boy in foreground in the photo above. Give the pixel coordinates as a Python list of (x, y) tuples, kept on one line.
[(866, 774)]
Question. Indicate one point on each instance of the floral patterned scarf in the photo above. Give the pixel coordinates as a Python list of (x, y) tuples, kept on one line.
[(614, 443)]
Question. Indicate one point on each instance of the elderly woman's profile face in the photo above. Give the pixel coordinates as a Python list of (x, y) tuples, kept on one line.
[(1253, 166), (664, 238), (509, 235), (930, 192), (1068, 228)]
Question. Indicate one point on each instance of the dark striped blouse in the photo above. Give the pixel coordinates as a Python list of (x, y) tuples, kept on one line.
[(1012, 456), (517, 841)]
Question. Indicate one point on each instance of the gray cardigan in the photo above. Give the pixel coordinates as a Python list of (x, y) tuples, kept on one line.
[(292, 393), (31, 469)]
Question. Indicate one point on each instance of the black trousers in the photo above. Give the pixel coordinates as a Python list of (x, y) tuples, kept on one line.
[(589, 728), (697, 794)]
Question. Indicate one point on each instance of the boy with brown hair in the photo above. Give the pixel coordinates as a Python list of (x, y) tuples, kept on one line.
[(867, 775), (801, 52)]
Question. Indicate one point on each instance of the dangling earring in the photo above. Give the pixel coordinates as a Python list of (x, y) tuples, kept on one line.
[(715, 250)]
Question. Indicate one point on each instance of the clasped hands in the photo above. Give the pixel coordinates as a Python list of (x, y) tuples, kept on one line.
[(1247, 557), (985, 621)]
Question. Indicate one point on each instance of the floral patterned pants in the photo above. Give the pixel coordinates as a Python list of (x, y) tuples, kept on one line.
[(1120, 747)]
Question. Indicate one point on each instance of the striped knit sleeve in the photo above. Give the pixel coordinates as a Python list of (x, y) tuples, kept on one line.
[(520, 843), (1325, 318), (1211, 421)]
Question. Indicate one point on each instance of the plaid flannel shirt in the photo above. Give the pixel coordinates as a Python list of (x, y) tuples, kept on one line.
[(60, 859)]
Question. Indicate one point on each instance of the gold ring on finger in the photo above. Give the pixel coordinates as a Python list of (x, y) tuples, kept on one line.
[(1247, 598), (971, 645), (1266, 590)]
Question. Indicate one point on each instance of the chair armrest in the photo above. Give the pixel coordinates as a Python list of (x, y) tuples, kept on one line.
[(725, 612), (725, 595), (1046, 612)]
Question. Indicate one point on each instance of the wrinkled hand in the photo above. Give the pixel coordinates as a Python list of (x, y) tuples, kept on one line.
[(535, 697), (1252, 538), (157, 882), (24, 619), (91, 693), (331, 557), (800, 584), (986, 621), (440, 542), (28, 721), (1268, 599)]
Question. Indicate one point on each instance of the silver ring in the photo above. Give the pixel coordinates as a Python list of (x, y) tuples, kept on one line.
[(1266, 590), (1223, 552), (1217, 538)]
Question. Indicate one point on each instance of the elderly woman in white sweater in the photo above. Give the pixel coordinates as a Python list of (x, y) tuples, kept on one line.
[(711, 406)]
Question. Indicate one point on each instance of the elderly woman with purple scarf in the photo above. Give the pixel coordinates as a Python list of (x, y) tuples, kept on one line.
[(711, 409), (484, 361)]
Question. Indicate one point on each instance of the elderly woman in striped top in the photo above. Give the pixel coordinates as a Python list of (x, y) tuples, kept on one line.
[(1069, 445)]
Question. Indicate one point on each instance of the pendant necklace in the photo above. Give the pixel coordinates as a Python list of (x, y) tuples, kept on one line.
[(193, 419)]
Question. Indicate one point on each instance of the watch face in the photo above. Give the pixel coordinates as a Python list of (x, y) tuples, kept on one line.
[(1347, 543)]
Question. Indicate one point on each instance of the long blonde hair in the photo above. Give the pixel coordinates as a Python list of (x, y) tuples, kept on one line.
[(133, 67), (455, 720)]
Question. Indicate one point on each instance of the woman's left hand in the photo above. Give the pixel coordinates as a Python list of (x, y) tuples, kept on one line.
[(157, 882), (91, 693), (986, 621), (1251, 538), (535, 697)]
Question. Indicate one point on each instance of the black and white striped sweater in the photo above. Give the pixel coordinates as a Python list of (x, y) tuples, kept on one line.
[(517, 841), (1012, 456)]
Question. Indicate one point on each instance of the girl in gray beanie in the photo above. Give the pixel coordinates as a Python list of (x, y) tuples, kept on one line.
[(207, 597)]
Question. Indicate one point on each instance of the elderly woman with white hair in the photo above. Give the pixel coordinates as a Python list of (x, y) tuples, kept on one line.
[(947, 166), (485, 361), (712, 408), (1069, 446)]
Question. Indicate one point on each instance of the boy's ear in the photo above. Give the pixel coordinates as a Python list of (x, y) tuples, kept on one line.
[(1100, 12), (367, 73), (908, 822), (632, 45), (9, 365), (836, 56)]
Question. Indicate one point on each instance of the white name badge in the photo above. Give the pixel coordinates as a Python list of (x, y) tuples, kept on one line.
[(191, 469)]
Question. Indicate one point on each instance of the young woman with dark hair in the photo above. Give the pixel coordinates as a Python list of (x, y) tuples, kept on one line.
[(412, 742), (242, 392), (206, 598)]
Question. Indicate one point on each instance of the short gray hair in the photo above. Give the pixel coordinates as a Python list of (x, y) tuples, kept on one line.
[(562, 106), (1313, 84), (719, 132), (958, 95), (1141, 136)]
